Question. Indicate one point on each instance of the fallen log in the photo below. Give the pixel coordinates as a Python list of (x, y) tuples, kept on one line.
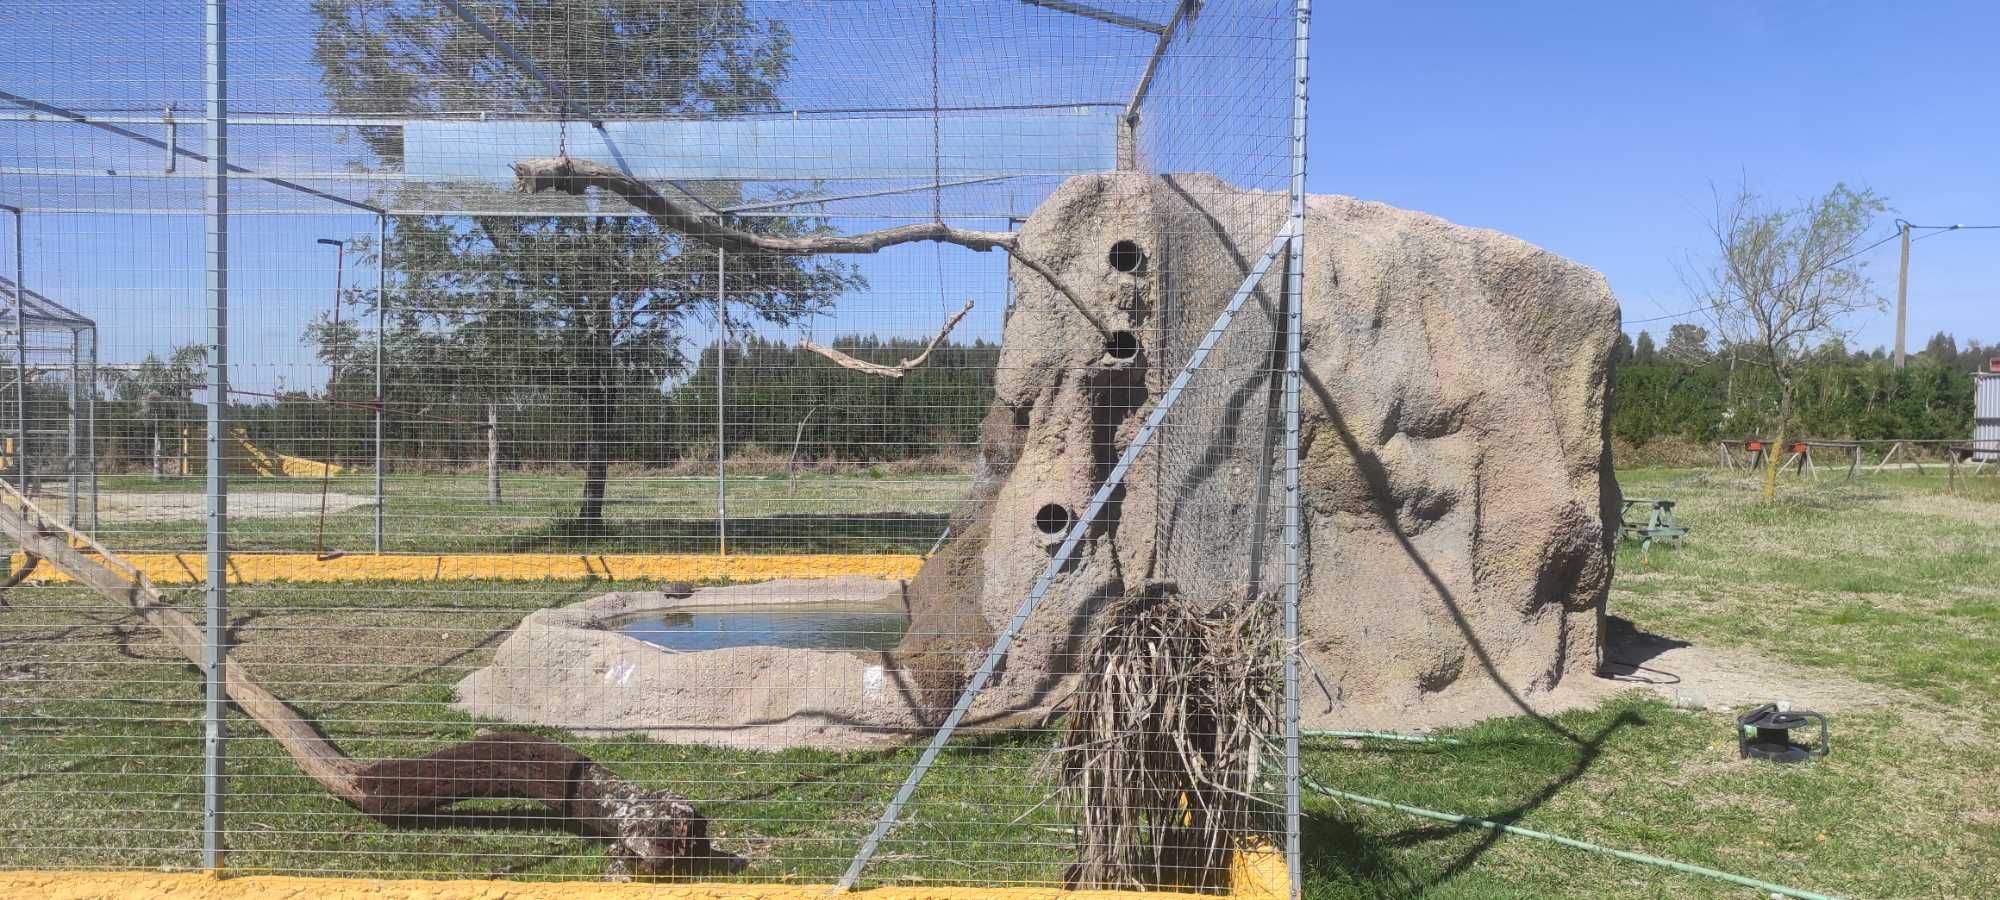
[(651, 832)]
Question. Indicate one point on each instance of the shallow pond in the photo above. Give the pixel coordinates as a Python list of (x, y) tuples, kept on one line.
[(805, 627)]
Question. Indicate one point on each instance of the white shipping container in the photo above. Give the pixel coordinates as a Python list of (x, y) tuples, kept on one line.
[(1986, 415)]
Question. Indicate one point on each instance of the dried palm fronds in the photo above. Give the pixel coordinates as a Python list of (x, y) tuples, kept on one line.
[(1164, 729)]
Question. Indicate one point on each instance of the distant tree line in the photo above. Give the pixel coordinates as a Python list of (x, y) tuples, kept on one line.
[(775, 394), (1693, 388)]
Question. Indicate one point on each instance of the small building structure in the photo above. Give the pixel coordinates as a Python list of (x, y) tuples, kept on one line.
[(48, 400), (1986, 412)]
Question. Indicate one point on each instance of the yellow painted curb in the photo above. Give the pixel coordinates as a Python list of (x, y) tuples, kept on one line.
[(1260, 875), (257, 568)]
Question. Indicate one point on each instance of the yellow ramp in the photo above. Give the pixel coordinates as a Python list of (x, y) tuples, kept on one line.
[(1259, 875)]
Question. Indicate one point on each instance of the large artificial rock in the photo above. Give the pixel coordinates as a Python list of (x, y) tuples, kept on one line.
[(1458, 504)]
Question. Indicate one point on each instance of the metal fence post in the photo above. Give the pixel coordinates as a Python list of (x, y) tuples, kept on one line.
[(381, 301), (75, 408), (1294, 325), (721, 434), (20, 363), (90, 427), (216, 206)]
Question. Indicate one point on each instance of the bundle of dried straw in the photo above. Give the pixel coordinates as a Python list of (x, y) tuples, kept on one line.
[(1160, 759)]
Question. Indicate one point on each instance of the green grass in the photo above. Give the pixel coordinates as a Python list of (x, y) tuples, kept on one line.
[(856, 513), (1889, 583)]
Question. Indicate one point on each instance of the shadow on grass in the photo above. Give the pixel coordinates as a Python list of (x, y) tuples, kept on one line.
[(1341, 852), (1586, 749), (802, 533)]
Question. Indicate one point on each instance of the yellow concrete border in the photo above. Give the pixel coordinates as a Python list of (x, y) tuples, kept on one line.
[(257, 568), (1260, 875)]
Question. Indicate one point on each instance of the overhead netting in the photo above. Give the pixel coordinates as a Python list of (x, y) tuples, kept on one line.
[(590, 505)]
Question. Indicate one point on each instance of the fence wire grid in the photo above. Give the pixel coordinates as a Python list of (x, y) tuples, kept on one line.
[(433, 458)]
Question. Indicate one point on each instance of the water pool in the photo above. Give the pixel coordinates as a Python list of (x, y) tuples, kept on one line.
[(805, 627)]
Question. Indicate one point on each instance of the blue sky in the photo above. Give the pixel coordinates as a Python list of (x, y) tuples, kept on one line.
[(1596, 129)]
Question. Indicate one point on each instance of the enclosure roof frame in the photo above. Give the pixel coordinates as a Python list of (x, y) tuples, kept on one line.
[(36, 308), (1102, 15), (81, 119)]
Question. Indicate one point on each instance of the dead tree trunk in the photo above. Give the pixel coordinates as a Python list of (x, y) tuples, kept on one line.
[(492, 453), (652, 832)]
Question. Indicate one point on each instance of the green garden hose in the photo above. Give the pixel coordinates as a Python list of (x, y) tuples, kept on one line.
[(1689, 868), (1382, 736)]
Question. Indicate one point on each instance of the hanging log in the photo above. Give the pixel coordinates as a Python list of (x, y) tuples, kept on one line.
[(568, 175), (898, 370), (652, 832)]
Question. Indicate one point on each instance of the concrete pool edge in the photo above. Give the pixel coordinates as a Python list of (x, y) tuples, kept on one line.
[(562, 668)]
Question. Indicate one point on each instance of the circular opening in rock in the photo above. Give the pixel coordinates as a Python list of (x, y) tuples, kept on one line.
[(1121, 345), (1127, 257), (1052, 519)]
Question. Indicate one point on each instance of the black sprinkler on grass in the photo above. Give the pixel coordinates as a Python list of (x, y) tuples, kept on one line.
[(1766, 733)]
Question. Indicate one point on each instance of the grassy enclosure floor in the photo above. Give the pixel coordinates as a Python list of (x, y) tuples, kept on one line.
[(1882, 590)]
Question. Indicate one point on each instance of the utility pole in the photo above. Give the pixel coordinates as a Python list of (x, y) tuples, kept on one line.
[(1902, 292)]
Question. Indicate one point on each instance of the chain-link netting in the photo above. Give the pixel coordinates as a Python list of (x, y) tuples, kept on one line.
[(641, 419)]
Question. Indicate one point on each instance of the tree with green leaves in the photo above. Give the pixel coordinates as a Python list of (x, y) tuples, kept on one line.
[(1942, 349), (585, 312), (1644, 353), (161, 394), (1782, 279), (1687, 345)]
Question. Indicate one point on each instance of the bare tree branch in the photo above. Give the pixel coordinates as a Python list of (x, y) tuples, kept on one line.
[(568, 175), (896, 371)]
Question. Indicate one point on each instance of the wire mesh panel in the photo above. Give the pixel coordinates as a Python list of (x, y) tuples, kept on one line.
[(647, 428)]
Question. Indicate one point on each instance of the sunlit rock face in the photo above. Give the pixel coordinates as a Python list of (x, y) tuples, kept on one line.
[(1458, 505)]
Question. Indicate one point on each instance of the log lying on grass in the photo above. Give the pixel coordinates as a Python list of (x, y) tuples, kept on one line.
[(652, 832)]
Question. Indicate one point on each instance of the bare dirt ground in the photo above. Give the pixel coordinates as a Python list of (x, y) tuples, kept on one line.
[(115, 507)]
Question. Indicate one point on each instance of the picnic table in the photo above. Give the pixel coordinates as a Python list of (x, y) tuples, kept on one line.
[(1658, 524)]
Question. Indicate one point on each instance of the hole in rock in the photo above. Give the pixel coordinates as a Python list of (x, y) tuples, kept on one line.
[(1127, 257), (1121, 345), (1052, 519)]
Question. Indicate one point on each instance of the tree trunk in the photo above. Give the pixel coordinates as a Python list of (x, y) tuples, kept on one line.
[(492, 453), (159, 456), (1773, 456), (596, 453)]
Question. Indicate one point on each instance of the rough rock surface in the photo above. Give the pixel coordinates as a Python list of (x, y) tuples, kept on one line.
[(1458, 499)]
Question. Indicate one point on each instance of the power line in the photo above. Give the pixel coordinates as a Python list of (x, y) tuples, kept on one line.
[(1892, 236)]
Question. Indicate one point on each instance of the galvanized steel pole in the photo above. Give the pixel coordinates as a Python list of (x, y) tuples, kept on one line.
[(20, 363), (75, 407), (90, 427), (1294, 325), (216, 249), (721, 442), (381, 301)]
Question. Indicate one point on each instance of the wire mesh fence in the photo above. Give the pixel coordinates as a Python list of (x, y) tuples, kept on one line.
[(589, 436)]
